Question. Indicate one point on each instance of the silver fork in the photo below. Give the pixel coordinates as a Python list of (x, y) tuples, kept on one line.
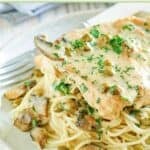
[(16, 70)]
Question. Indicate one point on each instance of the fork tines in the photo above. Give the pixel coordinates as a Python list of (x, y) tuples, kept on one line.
[(16, 70)]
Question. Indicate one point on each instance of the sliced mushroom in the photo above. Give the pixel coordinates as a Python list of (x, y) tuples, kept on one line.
[(86, 38), (87, 123), (15, 93), (40, 105), (108, 71), (42, 120), (45, 47), (68, 51), (19, 91), (37, 73), (24, 120), (127, 51), (58, 73), (103, 41), (144, 118), (29, 84), (16, 102), (70, 107), (39, 135), (143, 98)]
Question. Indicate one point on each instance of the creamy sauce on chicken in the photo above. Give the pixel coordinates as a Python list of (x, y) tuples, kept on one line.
[(126, 72), (113, 59)]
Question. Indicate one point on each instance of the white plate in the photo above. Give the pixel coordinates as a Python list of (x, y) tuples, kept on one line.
[(21, 141)]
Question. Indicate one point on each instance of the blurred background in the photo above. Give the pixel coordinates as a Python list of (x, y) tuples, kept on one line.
[(18, 17)]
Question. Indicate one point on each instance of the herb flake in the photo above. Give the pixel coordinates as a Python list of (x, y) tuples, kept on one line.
[(100, 64), (83, 88), (116, 43), (27, 83), (134, 112), (57, 46), (90, 110), (95, 32), (77, 44), (128, 27), (112, 89), (34, 123), (98, 100), (62, 87)]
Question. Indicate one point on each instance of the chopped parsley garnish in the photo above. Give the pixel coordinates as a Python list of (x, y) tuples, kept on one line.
[(61, 106), (64, 39), (77, 44), (93, 69), (34, 123), (27, 83), (90, 58), (55, 55), (133, 87), (62, 87), (128, 68), (95, 32), (122, 72), (117, 68), (145, 23), (84, 77), (139, 56), (134, 112), (57, 46), (122, 76), (98, 121), (98, 100), (83, 88), (94, 82), (33, 108), (100, 64), (77, 71), (147, 30), (128, 85), (105, 48), (112, 89), (64, 63), (129, 27), (137, 124), (90, 110), (116, 43), (99, 132), (124, 98)]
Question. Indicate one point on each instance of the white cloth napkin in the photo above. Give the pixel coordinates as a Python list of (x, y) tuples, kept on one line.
[(31, 9), (5, 8)]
